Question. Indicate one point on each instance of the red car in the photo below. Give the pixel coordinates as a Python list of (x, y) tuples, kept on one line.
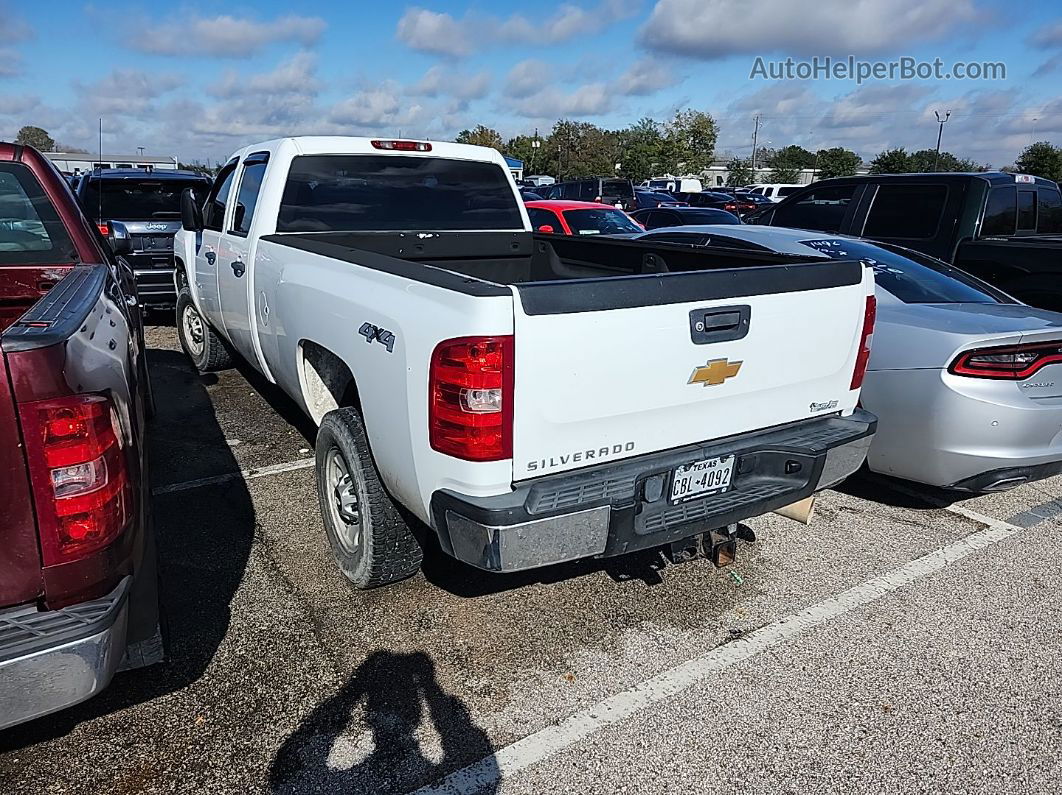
[(78, 593), (580, 218)]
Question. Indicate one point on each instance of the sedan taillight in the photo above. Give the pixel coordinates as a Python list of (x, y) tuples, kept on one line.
[(1012, 363), (470, 398), (78, 472)]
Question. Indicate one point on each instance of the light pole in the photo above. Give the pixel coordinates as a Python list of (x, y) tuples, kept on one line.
[(535, 144), (940, 134), (140, 149)]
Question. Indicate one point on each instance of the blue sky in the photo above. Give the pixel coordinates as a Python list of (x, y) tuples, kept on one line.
[(198, 84)]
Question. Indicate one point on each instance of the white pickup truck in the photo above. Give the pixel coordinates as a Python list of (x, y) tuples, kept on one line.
[(527, 399)]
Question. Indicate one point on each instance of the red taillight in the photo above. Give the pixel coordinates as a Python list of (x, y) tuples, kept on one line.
[(732, 208), (104, 229), (863, 357), (470, 398), (1012, 363), (403, 146), (77, 468)]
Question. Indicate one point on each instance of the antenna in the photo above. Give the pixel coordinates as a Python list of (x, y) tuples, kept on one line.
[(99, 190)]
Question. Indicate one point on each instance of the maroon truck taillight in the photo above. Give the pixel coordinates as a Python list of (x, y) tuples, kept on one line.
[(470, 398), (77, 468), (1011, 362), (863, 357)]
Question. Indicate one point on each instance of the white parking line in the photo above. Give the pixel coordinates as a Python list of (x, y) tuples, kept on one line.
[(246, 474), (546, 742)]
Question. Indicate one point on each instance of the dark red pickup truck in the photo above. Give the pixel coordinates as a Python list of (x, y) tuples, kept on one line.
[(78, 590)]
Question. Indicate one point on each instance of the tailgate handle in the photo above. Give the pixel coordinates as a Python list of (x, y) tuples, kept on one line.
[(719, 324)]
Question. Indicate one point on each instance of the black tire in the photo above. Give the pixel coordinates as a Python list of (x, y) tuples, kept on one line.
[(208, 353), (371, 541)]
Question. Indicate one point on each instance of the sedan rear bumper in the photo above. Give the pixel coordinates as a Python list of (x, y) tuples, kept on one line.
[(50, 660), (618, 508)]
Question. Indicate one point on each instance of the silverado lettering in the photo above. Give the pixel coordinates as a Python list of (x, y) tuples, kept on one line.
[(582, 455)]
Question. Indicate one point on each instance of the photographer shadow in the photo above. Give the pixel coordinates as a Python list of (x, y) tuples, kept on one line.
[(395, 692)]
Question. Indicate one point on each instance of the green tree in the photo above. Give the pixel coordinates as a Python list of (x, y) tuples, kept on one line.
[(793, 157), (1041, 159), (641, 150), (836, 162), (925, 160), (35, 137), (480, 136), (891, 161), (740, 172), (584, 150), (691, 136)]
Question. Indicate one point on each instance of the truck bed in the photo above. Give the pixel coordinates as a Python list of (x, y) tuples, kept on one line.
[(21, 286), (508, 258)]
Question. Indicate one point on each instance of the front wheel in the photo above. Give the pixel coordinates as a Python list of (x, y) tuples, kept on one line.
[(371, 541), (204, 346)]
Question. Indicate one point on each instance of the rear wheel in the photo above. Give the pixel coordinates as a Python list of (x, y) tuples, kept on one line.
[(371, 541), (204, 346)]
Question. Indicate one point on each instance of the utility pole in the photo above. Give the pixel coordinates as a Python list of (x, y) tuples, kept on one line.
[(140, 149), (940, 134), (755, 140), (535, 144)]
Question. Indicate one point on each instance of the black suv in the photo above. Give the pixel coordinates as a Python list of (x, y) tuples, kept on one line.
[(149, 204), (617, 192)]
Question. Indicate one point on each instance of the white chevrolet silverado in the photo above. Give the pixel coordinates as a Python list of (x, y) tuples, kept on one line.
[(528, 399)]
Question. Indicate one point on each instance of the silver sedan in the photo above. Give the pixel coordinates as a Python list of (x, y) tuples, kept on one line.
[(965, 380)]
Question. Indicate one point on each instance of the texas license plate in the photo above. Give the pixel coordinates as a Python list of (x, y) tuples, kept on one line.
[(701, 478)]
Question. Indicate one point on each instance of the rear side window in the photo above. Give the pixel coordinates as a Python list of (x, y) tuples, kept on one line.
[(906, 211), (822, 209), (31, 232), (788, 190), (1026, 209), (1001, 212), (254, 169), (360, 193), (214, 209), (619, 188), (1050, 211), (540, 217)]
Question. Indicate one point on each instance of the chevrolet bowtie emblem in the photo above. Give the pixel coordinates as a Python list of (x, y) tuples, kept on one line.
[(715, 372)]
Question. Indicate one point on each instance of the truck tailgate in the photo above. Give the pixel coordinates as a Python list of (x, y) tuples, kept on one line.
[(611, 368), (20, 564)]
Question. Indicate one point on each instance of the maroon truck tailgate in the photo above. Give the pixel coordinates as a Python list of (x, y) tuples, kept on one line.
[(20, 562)]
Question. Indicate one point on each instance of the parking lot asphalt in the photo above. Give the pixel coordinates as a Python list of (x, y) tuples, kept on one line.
[(904, 641)]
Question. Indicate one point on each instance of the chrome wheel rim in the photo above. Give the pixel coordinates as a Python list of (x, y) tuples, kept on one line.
[(192, 325), (343, 501)]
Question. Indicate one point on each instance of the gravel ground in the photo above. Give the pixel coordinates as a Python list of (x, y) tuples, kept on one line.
[(281, 678)]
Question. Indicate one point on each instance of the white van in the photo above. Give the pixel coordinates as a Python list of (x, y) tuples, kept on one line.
[(776, 191)]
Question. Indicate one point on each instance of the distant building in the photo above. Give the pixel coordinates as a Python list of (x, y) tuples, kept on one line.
[(717, 173), (516, 167), (81, 163)]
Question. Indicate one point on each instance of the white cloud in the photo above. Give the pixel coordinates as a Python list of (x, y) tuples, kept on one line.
[(591, 99), (718, 28), (297, 75), (440, 33), (14, 28), (439, 81), (16, 104), (382, 107), (527, 78), (645, 76), (10, 63), (124, 92), (1048, 37), (222, 36)]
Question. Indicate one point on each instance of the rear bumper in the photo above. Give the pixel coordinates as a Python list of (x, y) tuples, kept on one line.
[(618, 508), (50, 660), (156, 287)]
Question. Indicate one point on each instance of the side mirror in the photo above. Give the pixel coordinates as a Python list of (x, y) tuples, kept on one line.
[(191, 212), (118, 238), (545, 229)]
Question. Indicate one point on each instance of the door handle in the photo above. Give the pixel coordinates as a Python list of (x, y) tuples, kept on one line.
[(720, 324), (211, 257), (238, 268)]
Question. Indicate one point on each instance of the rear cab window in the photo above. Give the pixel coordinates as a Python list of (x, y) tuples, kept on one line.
[(540, 217), (358, 193), (906, 211), (31, 231), (820, 209)]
